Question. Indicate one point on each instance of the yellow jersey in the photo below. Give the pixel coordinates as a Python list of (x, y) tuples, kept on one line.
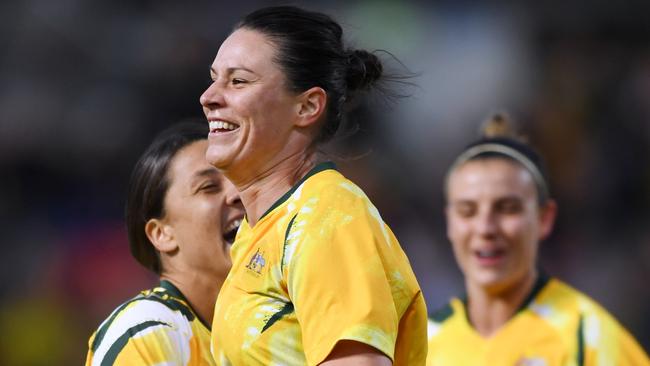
[(557, 325), (157, 327), (319, 266)]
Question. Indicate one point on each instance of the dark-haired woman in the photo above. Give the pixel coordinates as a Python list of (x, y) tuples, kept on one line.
[(182, 216), (317, 277), (498, 210)]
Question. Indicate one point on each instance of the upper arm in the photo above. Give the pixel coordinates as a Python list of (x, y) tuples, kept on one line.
[(355, 353), (337, 277)]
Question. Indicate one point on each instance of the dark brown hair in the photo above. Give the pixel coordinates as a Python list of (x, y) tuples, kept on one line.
[(148, 187), (311, 53)]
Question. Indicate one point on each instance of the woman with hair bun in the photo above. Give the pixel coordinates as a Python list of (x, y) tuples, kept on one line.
[(498, 210), (317, 276)]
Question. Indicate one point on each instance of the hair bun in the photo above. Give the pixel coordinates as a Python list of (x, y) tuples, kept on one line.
[(364, 68), (499, 125)]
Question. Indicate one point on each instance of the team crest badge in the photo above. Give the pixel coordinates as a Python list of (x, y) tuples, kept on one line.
[(257, 262)]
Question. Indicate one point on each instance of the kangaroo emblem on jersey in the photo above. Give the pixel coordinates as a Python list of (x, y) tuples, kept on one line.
[(257, 262)]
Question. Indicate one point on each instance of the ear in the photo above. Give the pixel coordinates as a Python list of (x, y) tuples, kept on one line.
[(311, 106), (547, 216), (161, 235)]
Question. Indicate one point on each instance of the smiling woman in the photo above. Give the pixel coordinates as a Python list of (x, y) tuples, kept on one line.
[(498, 210), (182, 216), (317, 277)]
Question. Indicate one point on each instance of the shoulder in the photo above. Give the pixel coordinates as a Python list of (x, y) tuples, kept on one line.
[(142, 314), (328, 183), (328, 197), (563, 297), (601, 332), (562, 303)]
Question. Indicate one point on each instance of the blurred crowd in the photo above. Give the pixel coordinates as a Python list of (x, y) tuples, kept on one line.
[(85, 85)]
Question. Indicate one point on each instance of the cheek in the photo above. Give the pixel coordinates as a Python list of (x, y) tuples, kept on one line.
[(459, 234), (515, 227), (457, 227), (523, 233), (207, 214)]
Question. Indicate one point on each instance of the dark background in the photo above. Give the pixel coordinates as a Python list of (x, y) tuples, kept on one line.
[(85, 85)]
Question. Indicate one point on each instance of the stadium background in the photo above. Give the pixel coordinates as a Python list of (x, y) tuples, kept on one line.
[(84, 86)]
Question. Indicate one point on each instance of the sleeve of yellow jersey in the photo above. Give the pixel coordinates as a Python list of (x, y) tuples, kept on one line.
[(337, 278), (607, 342), (137, 343)]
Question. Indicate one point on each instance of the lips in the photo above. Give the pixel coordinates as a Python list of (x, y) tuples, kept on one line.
[(489, 256)]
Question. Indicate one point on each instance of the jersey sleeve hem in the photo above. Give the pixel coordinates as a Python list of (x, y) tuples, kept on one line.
[(370, 336)]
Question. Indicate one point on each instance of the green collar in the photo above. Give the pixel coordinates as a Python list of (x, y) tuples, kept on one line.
[(172, 290), (541, 282), (317, 169)]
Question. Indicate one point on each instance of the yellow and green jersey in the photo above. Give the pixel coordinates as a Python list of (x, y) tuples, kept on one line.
[(557, 325), (157, 327), (320, 266)]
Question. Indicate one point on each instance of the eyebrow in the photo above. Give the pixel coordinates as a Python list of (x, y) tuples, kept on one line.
[(205, 172), (230, 70), (509, 197)]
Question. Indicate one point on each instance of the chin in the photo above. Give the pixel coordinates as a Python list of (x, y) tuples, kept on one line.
[(490, 279), (216, 161)]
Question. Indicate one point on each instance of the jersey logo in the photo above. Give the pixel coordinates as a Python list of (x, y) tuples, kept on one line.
[(257, 262)]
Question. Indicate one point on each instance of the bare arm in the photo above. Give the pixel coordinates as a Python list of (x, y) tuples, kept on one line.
[(355, 353)]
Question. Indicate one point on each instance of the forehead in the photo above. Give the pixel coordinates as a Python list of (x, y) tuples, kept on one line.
[(188, 161), (491, 178), (245, 48)]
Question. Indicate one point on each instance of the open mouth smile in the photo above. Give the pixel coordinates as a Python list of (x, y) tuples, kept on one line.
[(220, 126), (230, 231)]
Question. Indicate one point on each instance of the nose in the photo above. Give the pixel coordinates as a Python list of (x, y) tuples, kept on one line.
[(212, 97), (486, 224)]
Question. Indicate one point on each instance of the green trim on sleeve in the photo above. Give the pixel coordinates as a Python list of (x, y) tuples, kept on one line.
[(317, 169), (581, 343), (116, 348), (286, 309), (173, 301), (286, 235), (102, 331)]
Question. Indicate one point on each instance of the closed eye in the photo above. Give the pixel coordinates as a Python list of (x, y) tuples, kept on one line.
[(509, 206), (465, 209), (210, 187)]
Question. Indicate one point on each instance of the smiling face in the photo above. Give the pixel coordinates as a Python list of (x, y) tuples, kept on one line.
[(494, 223), (202, 212), (249, 108)]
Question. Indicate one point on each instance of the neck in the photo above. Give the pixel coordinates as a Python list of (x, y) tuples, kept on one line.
[(199, 291), (490, 309), (263, 190)]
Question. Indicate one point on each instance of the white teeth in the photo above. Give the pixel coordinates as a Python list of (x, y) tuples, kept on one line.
[(235, 224), (221, 125), (487, 253)]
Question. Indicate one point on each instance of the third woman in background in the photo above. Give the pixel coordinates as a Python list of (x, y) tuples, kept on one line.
[(498, 210)]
